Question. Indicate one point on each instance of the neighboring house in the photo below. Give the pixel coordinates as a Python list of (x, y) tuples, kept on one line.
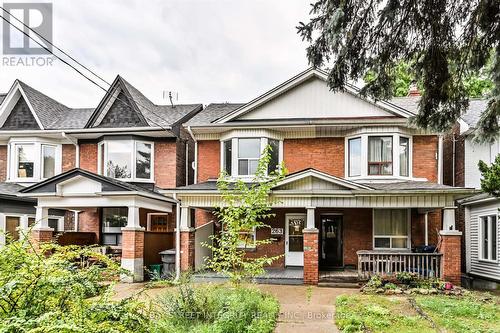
[(364, 188), (93, 175), (477, 215)]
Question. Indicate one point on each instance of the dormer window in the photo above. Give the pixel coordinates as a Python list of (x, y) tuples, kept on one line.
[(129, 160), (240, 156), (31, 160), (378, 156)]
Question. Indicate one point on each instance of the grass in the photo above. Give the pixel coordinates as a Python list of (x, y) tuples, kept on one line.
[(377, 313)]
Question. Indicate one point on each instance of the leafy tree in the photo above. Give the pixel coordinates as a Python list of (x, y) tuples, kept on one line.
[(490, 180), (444, 41), (244, 208)]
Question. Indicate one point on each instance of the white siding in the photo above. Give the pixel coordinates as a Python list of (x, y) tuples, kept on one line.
[(477, 266), (473, 153), (313, 99)]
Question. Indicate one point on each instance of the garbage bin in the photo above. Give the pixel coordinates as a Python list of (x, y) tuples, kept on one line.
[(168, 259), (155, 271)]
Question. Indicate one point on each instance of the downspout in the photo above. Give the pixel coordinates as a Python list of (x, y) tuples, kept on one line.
[(195, 154), (453, 161), (187, 163), (177, 238), (77, 148)]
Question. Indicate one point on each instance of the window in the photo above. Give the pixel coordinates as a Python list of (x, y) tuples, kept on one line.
[(248, 156), (354, 157), (404, 161), (488, 237), (274, 154), (113, 220), (227, 156), (54, 224), (247, 239), (380, 155), (126, 160), (26, 157), (390, 229), (159, 222), (48, 161)]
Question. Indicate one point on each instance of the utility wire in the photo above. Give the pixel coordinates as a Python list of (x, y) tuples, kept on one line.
[(76, 69)]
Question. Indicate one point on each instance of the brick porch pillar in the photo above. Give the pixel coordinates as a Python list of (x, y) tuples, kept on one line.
[(311, 271), (451, 261), (187, 249), (133, 247), (41, 232)]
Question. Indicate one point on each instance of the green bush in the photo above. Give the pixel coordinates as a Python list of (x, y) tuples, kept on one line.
[(215, 308)]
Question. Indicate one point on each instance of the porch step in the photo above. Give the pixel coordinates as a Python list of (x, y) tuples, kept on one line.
[(328, 284)]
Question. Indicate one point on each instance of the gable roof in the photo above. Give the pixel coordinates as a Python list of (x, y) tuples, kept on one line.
[(298, 80), (150, 114), (311, 172)]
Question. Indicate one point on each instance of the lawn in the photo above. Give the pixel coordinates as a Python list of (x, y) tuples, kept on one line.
[(474, 312)]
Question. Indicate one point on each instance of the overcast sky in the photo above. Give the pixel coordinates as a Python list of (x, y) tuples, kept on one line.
[(207, 51)]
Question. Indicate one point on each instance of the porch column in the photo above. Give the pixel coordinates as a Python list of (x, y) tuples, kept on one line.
[(449, 218), (311, 234), (41, 232), (187, 239), (133, 247), (450, 248)]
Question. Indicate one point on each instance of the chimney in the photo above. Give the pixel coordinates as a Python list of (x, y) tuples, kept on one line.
[(413, 91)]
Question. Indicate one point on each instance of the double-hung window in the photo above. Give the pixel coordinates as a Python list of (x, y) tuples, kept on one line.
[(32, 161), (391, 229), (26, 157), (248, 156), (404, 156), (354, 157), (127, 159), (488, 237), (380, 155)]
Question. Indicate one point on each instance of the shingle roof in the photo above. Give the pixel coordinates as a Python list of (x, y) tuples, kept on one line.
[(212, 112), (10, 191), (473, 114)]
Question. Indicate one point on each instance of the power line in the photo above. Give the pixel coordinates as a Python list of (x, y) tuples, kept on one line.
[(77, 70)]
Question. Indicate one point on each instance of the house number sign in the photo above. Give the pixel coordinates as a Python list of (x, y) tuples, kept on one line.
[(276, 231)]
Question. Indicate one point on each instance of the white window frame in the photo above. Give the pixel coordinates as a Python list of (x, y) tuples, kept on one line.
[(234, 157), (481, 241), (101, 165), (149, 215), (364, 156), (13, 159), (408, 237)]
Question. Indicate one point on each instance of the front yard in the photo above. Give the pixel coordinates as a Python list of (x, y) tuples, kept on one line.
[(473, 312)]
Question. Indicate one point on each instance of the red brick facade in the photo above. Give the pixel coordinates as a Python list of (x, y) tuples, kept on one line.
[(68, 157), (3, 163), (41, 236), (165, 164), (132, 244), (187, 250), (88, 221), (451, 261), (208, 160), (311, 267), (88, 157), (323, 154), (425, 163), (434, 220)]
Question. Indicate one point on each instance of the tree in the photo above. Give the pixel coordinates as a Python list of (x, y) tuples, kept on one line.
[(490, 180), (244, 208), (445, 42)]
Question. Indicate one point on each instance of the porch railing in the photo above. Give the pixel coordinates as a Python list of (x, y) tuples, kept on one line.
[(426, 265)]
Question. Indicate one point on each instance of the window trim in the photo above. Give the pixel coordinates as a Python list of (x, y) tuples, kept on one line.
[(102, 152), (408, 237), (480, 239), (250, 247), (148, 223), (364, 156), (381, 163)]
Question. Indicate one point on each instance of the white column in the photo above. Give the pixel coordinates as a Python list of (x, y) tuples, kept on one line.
[(449, 218), (310, 218), (426, 222), (133, 219), (185, 218), (42, 219)]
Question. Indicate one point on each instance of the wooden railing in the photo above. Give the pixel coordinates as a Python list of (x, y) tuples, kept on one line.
[(426, 265)]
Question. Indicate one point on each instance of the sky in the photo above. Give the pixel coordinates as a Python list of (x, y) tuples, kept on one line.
[(205, 50)]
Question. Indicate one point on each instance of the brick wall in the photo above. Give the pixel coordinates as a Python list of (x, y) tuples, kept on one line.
[(68, 157), (88, 221), (187, 250), (323, 154), (311, 269), (425, 164), (208, 160), (3, 163), (459, 171), (418, 227), (358, 234), (88, 157), (202, 217), (132, 244), (165, 164), (451, 262)]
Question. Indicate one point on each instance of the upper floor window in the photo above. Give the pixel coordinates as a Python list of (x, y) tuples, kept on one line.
[(378, 156), (240, 156), (31, 161), (126, 160)]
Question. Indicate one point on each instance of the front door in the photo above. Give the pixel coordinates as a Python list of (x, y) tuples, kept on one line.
[(331, 241), (11, 227), (294, 239)]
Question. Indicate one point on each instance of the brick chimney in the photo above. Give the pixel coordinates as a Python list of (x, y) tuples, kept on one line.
[(413, 91)]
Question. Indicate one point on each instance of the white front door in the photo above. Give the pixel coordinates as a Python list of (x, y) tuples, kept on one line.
[(294, 239)]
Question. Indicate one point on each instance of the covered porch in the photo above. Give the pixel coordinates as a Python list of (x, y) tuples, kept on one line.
[(129, 222)]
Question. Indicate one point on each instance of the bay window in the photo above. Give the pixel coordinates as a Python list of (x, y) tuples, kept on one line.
[(33, 160), (227, 156), (380, 155), (354, 157), (404, 160), (248, 156), (126, 160), (391, 229), (488, 237)]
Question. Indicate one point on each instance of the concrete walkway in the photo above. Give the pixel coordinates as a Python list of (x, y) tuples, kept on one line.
[(306, 309)]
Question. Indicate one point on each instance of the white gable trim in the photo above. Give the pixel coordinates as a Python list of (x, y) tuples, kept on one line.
[(297, 80), (16, 92), (323, 176)]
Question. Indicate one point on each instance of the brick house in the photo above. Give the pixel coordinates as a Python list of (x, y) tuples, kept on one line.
[(477, 215), (364, 190), (92, 176)]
